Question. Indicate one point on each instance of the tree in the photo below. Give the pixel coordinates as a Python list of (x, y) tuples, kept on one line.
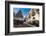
[(19, 14), (14, 14)]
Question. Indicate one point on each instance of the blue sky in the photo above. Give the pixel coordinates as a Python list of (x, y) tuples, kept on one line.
[(25, 11)]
